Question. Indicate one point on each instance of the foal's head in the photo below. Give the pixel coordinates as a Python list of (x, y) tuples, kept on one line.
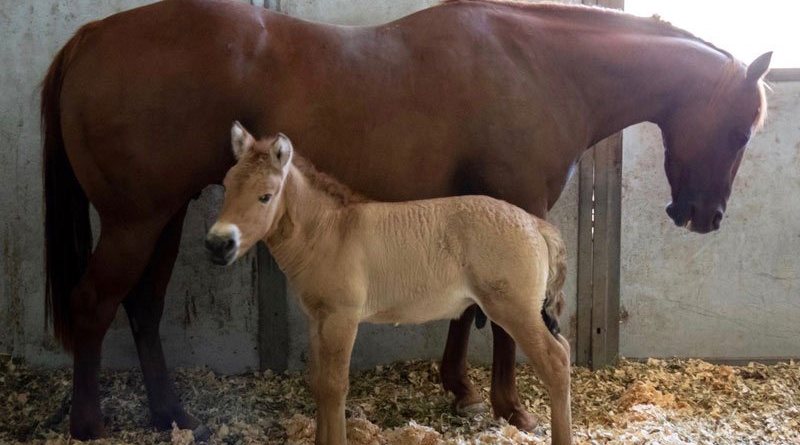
[(705, 139), (253, 199)]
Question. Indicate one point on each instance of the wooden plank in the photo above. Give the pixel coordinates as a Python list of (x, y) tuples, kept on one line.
[(599, 215), (273, 313), (583, 334), (273, 305), (605, 253)]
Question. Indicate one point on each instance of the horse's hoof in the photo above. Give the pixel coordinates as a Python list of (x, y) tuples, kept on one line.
[(184, 420), (523, 420), (89, 431), (471, 409), (201, 434)]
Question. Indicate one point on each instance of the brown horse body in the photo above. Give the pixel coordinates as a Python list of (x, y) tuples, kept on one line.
[(140, 103)]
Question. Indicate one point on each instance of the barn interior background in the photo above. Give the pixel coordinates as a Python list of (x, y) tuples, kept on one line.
[(730, 295)]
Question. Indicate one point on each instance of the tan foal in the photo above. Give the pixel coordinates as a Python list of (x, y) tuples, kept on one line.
[(350, 260)]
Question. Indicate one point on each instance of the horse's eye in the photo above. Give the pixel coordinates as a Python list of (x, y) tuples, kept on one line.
[(264, 198)]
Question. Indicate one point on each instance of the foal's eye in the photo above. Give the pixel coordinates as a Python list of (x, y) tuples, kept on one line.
[(264, 198)]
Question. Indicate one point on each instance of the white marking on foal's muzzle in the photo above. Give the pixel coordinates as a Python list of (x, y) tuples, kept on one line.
[(227, 230)]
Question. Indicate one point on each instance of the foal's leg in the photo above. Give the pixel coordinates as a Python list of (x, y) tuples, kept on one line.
[(116, 264), (144, 307), (454, 365), (332, 338)]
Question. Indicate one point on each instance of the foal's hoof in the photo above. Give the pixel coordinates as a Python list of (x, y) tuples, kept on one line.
[(471, 409), (523, 420)]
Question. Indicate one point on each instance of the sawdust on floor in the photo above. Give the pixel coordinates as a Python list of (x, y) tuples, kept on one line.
[(657, 402)]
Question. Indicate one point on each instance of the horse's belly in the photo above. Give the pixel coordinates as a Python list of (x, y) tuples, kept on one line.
[(416, 309)]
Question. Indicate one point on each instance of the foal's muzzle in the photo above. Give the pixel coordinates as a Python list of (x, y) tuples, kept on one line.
[(222, 243), (220, 250)]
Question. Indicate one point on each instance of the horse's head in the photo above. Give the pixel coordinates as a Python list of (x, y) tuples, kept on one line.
[(704, 141), (253, 199)]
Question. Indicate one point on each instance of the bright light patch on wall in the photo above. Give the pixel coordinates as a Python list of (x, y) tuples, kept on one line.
[(746, 29)]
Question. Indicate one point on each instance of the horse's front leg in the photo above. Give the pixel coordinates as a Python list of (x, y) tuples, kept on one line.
[(332, 336)]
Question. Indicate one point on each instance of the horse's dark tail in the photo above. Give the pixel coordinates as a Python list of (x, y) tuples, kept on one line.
[(556, 276), (67, 229)]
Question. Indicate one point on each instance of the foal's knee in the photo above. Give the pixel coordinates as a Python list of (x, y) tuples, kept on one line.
[(327, 385)]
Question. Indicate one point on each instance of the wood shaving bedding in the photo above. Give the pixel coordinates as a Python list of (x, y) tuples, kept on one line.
[(664, 402)]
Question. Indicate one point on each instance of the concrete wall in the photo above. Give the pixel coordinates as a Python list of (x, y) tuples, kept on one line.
[(211, 316), (730, 294)]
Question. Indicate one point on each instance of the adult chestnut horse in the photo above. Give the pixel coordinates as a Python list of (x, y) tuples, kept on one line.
[(136, 110)]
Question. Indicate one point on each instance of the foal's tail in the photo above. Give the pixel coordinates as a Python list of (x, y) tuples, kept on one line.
[(556, 275), (67, 230)]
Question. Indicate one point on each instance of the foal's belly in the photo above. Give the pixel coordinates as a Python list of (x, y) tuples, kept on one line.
[(406, 307)]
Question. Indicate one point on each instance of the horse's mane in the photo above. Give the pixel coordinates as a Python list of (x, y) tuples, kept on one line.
[(591, 14), (654, 25), (326, 183)]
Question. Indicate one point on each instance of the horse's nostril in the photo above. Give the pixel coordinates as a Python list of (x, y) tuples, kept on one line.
[(230, 244), (692, 211), (717, 219)]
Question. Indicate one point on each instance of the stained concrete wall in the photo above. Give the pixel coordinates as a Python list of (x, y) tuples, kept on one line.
[(211, 315), (733, 294)]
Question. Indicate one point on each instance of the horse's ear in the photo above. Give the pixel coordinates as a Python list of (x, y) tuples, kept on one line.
[(241, 140), (759, 67), (281, 151)]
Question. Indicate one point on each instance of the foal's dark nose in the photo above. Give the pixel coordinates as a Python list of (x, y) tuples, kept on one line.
[(221, 249)]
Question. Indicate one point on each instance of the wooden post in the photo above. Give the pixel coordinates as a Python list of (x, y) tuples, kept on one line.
[(272, 294), (273, 313), (599, 215)]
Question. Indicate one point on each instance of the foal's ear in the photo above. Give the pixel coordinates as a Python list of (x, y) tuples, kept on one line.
[(241, 140), (281, 151), (759, 67)]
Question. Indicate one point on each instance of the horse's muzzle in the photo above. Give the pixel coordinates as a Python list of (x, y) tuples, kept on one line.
[(695, 218)]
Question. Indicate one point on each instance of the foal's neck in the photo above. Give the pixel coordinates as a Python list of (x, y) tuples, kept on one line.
[(311, 215)]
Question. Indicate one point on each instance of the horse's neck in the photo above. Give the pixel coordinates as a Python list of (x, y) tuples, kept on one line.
[(309, 218), (628, 73)]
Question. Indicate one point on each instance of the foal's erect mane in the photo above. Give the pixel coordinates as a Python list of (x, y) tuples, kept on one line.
[(599, 17), (326, 183)]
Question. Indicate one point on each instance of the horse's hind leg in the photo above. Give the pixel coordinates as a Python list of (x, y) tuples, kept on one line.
[(116, 264), (453, 370), (550, 357), (144, 306), (504, 395)]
